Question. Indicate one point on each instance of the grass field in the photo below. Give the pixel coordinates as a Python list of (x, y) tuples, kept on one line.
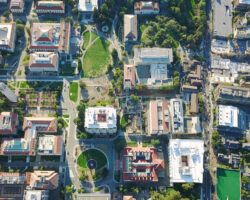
[(73, 91), (98, 156), (86, 38), (96, 58), (228, 185)]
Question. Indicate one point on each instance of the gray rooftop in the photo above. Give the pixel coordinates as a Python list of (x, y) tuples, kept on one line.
[(223, 18), (8, 93)]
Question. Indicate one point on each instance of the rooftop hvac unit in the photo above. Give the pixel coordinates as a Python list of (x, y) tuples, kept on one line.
[(185, 171)]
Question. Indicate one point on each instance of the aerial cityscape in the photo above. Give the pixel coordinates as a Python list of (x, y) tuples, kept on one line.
[(125, 100)]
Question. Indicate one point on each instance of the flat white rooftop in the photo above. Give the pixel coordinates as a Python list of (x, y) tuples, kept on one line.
[(186, 160), (87, 5), (228, 116), (100, 118)]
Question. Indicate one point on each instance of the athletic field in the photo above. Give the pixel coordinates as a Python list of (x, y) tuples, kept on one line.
[(228, 186)]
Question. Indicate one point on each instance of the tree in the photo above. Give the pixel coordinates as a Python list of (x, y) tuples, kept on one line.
[(216, 139), (123, 122), (69, 189), (155, 142), (169, 194)]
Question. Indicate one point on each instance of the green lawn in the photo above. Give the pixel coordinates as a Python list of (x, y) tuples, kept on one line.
[(228, 186), (86, 38), (96, 59), (73, 91), (97, 155)]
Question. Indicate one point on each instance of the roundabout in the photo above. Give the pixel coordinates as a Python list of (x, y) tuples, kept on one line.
[(92, 165)]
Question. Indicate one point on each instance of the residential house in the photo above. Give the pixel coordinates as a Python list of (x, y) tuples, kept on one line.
[(7, 36)]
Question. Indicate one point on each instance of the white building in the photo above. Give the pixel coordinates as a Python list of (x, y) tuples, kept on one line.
[(177, 118), (36, 195), (152, 66), (100, 120), (232, 117), (44, 63), (50, 6), (146, 8), (50, 145), (7, 36), (17, 6), (87, 7), (186, 161)]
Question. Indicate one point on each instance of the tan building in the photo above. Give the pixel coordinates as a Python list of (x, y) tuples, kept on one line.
[(194, 105), (43, 180), (130, 28), (158, 117), (7, 36), (52, 37), (44, 63), (129, 77)]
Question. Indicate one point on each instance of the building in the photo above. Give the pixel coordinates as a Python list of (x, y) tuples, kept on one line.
[(36, 195), (158, 117), (8, 93), (129, 77), (55, 7), (51, 37), (231, 117), (44, 63), (192, 125), (87, 7), (50, 145), (16, 146), (12, 185), (146, 8), (43, 180), (194, 105), (233, 94), (130, 28), (222, 18), (93, 196), (176, 113), (17, 6), (100, 120), (152, 66), (7, 36), (186, 160), (3, 1), (27, 145), (242, 4), (8, 123), (242, 32), (128, 197), (221, 46), (141, 164)]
